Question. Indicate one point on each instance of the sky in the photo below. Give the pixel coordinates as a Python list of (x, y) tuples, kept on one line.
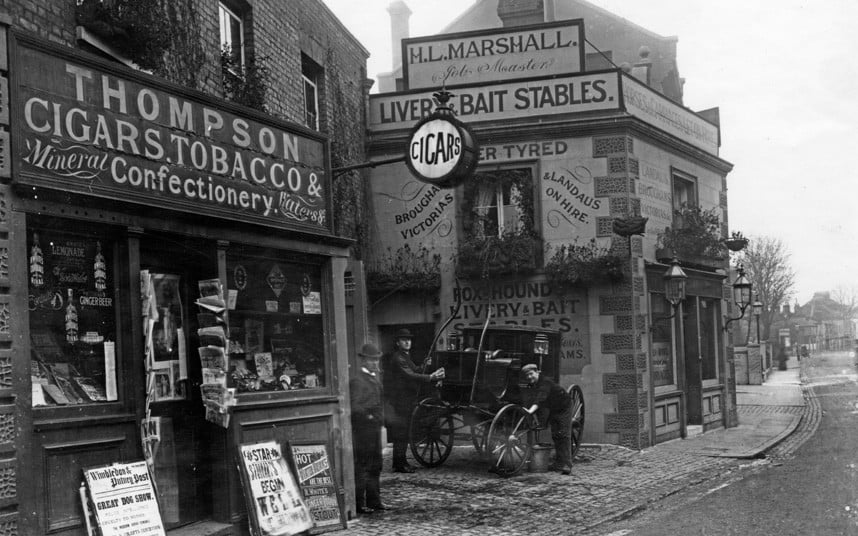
[(784, 74)]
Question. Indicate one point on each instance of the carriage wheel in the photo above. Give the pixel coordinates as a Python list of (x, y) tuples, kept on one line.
[(510, 439), (577, 410), (431, 432)]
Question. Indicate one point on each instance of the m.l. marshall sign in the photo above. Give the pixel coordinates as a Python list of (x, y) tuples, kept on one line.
[(83, 126)]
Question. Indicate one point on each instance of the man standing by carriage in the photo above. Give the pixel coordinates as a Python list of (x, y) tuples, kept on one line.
[(402, 380), (553, 406)]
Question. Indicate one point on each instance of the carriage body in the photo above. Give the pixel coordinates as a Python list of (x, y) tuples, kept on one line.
[(491, 377), (480, 396)]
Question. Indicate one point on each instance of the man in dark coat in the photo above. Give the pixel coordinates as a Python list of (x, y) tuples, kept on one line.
[(402, 382), (553, 406), (367, 418)]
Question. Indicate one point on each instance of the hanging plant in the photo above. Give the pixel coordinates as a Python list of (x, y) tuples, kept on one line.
[(511, 253), (696, 234), (405, 269), (583, 265)]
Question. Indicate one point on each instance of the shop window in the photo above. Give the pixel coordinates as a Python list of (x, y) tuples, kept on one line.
[(311, 73), (232, 37), (72, 313), (275, 314), (663, 362), (684, 191)]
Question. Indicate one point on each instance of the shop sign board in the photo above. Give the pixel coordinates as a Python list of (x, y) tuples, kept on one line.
[(651, 107), (123, 500), (490, 55), (501, 101), (274, 502), (85, 126)]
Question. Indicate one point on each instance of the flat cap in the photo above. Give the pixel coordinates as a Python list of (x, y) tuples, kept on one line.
[(528, 368)]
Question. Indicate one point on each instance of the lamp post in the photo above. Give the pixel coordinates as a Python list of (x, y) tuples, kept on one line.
[(674, 285), (741, 295), (757, 308)]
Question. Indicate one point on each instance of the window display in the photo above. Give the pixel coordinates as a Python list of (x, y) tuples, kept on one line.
[(275, 325), (72, 319)]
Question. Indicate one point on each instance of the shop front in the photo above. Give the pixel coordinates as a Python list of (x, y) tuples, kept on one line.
[(175, 286)]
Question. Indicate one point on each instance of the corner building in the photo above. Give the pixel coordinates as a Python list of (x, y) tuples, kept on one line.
[(579, 118), (172, 275)]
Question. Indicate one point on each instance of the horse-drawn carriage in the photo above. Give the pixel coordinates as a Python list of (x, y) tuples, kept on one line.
[(480, 397)]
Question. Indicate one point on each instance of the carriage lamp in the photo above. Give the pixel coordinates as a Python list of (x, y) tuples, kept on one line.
[(452, 340), (741, 295), (540, 344)]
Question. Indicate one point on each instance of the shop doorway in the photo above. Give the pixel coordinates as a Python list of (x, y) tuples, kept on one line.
[(693, 363), (174, 414)]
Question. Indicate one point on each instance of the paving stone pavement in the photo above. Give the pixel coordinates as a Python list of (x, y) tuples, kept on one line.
[(608, 483)]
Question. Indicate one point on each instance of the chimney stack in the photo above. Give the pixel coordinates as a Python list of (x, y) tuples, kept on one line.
[(521, 12), (399, 29)]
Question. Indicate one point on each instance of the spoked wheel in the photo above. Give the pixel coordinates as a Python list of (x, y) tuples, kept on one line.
[(431, 432), (510, 439), (577, 411)]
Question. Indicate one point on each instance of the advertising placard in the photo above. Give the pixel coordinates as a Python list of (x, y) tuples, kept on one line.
[(274, 502), (98, 130), (123, 500), (497, 54), (312, 463)]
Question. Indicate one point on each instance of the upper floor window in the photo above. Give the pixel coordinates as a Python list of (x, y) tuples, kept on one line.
[(684, 191), (232, 36), (311, 74), (496, 209), (501, 202)]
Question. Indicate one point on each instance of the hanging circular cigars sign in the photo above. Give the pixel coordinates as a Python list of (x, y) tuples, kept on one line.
[(441, 150)]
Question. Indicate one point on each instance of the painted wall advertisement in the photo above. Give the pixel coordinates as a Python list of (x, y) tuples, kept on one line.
[(87, 130), (485, 56), (528, 302)]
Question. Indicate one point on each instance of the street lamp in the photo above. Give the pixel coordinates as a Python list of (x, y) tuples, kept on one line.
[(674, 287), (757, 308), (741, 295)]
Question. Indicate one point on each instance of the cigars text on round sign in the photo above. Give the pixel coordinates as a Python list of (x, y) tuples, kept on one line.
[(435, 148)]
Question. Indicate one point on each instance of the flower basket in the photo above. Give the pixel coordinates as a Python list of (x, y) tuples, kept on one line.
[(572, 265), (513, 253), (695, 239), (405, 270)]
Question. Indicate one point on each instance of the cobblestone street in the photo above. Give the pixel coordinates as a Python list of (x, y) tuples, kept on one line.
[(608, 483)]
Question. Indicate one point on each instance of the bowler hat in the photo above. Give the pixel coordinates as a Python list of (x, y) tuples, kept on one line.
[(369, 351), (528, 368), (403, 334)]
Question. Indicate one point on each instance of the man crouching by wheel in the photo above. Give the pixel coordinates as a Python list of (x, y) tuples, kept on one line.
[(553, 406)]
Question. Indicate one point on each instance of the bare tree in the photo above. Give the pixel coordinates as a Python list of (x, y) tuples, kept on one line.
[(767, 265), (847, 305)]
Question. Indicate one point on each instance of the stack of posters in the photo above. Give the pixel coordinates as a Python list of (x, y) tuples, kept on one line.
[(214, 334)]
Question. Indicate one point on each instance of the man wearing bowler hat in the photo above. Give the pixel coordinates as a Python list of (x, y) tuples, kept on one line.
[(402, 382), (367, 417)]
